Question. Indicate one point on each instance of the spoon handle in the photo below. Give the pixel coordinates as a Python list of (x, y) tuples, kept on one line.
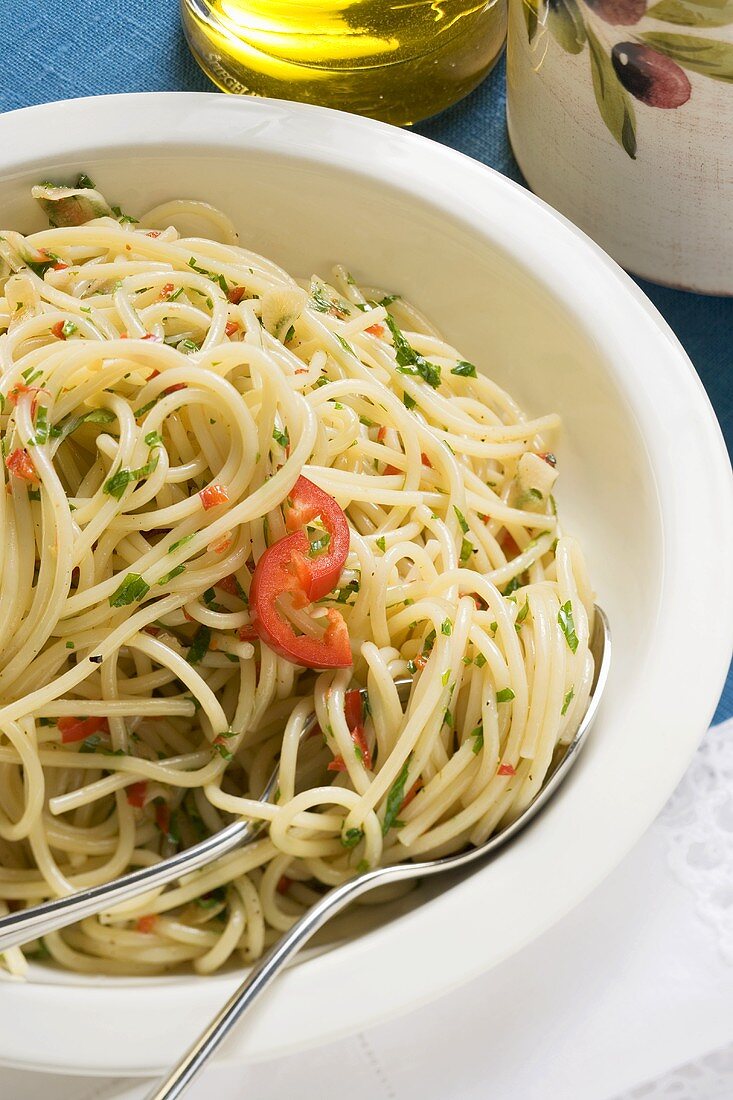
[(264, 972), (28, 924)]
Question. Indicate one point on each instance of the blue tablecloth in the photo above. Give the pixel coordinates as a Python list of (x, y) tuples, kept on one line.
[(60, 49)]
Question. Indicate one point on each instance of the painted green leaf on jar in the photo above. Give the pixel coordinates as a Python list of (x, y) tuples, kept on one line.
[(566, 25), (617, 110), (693, 13), (703, 55)]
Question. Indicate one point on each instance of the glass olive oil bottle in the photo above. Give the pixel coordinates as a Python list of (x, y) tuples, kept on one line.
[(397, 60)]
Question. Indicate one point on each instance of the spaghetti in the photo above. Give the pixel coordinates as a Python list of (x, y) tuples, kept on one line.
[(230, 500)]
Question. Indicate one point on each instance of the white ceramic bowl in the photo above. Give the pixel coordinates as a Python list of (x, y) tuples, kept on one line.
[(645, 483)]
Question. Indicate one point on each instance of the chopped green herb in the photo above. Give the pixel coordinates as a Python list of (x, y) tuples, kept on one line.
[(181, 542), (115, 486), (84, 182), (213, 897), (351, 837), (154, 439), (395, 798), (281, 437), (199, 646), (69, 426), (173, 573), (69, 328), (445, 677), (478, 738), (410, 361), (90, 744), (446, 627), (219, 279), (132, 590), (513, 585), (461, 520), (467, 548), (505, 695), (567, 625), (320, 543), (343, 594), (123, 217), (464, 369), (480, 660), (146, 407), (69, 645), (187, 346), (522, 613), (40, 267), (408, 402), (423, 369), (363, 866), (381, 543), (567, 701), (345, 344)]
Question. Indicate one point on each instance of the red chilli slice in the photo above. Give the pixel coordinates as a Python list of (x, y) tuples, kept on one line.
[(77, 729), (213, 495), (230, 585), (163, 817), (20, 464), (147, 923), (416, 786), (136, 793), (506, 769)]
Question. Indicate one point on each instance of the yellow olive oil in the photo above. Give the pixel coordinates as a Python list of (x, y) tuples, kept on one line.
[(398, 60)]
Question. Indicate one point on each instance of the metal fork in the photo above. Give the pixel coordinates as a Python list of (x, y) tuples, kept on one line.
[(269, 966)]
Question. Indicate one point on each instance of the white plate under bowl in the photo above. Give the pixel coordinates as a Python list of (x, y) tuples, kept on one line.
[(645, 483)]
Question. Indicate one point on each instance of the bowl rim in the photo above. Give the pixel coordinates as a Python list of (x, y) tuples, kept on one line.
[(604, 301)]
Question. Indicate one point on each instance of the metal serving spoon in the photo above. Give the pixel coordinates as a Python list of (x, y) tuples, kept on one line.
[(269, 966)]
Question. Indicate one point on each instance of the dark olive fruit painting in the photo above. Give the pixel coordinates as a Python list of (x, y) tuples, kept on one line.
[(652, 66)]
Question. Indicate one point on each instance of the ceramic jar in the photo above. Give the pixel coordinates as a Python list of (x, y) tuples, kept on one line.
[(621, 117)]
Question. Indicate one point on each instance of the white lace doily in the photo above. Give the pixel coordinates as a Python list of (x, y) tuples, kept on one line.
[(709, 1078), (698, 821)]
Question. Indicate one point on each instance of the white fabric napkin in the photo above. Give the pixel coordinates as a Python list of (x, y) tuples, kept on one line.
[(630, 997)]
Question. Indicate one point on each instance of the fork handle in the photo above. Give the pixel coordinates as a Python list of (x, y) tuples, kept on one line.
[(28, 924), (263, 973)]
